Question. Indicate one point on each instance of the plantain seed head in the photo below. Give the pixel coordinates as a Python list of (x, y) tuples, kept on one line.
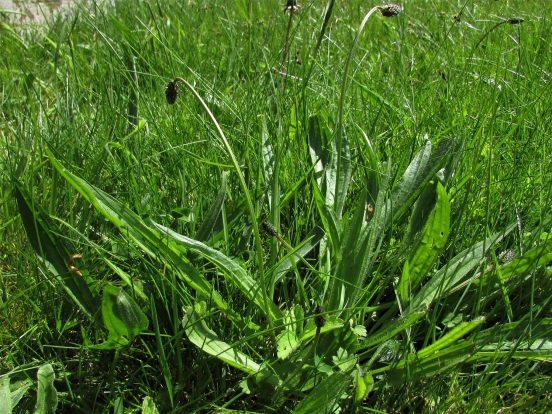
[(171, 92), (390, 9)]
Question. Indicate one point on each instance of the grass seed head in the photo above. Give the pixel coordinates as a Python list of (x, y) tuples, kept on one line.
[(171, 92), (390, 9)]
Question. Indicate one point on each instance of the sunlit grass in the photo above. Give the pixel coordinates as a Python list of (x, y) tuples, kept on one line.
[(133, 184)]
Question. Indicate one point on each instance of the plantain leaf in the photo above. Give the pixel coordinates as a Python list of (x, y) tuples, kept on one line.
[(232, 270), (148, 239), (55, 252), (46, 400), (5, 396), (204, 338), (454, 271), (430, 247), (122, 316)]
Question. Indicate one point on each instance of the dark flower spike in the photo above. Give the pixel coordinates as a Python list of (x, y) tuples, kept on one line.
[(269, 229), (515, 20), (390, 10), (292, 5), (319, 319), (171, 92)]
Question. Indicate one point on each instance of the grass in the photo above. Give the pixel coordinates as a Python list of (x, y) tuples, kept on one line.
[(405, 165)]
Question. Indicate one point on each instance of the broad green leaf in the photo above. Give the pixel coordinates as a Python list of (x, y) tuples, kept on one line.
[(232, 270), (46, 400), (287, 343), (55, 252), (122, 316), (211, 217), (5, 396), (430, 247), (363, 385), (325, 395), (204, 338), (351, 261), (148, 406)]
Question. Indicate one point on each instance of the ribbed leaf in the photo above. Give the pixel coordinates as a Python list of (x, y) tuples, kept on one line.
[(454, 271), (430, 247), (148, 239), (325, 395), (5, 396)]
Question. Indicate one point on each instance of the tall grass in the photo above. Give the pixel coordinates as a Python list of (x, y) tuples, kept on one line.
[(401, 167)]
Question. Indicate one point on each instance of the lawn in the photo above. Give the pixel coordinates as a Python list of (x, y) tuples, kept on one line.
[(247, 206)]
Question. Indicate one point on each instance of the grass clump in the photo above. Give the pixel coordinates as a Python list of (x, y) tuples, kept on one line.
[(347, 208)]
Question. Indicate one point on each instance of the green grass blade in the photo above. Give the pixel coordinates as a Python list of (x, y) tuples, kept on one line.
[(210, 219)]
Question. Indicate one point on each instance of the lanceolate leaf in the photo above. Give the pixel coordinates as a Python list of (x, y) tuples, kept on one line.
[(5, 396), (211, 217), (232, 270), (55, 251), (204, 338), (454, 271), (148, 239), (431, 245)]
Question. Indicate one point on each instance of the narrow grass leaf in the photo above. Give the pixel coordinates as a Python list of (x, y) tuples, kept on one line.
[(46, 400), (212, 215), (325, 395)]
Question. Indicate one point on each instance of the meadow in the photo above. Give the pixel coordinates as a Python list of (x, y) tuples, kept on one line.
[(251, 206)]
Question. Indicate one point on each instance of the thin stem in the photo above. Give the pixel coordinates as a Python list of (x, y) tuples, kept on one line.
[(339, 123)]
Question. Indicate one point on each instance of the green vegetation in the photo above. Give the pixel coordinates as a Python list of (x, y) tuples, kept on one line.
[(338, 211)]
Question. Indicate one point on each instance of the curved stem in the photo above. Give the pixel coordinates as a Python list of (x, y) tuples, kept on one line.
[(249, 203)]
